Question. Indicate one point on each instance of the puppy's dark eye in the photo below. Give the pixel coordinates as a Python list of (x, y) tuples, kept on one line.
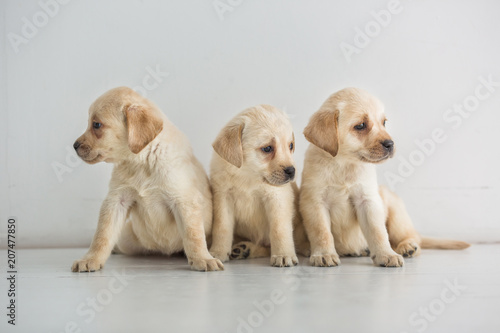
[(291, 146), (96, 125), (267, 149), (385, 122), (360, 127)]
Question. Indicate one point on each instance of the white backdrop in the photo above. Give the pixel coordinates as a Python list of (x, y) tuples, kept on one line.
[(204, 61)]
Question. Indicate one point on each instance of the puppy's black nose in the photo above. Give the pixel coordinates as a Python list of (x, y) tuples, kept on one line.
[(388, 145), (290, 171), (76, 145)]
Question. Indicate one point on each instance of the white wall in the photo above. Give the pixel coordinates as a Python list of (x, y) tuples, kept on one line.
[(286, 53)]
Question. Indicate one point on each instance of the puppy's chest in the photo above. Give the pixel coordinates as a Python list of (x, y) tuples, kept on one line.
[(150, 191), (248, 206), (339, 201)]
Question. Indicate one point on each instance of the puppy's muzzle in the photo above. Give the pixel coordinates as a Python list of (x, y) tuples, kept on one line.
[(388, 146), (86, 153), (289, 172)]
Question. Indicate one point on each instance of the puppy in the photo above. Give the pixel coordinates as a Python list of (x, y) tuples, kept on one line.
[(345, 212), (255, 198), (157, 185)]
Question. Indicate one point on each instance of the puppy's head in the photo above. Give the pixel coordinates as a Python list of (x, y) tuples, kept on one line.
[(121, 123), (351, 123), (259, 141)]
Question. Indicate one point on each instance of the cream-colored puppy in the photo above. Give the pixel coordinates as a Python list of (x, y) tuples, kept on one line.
[(345, 212), (255, 198), (159, 198)]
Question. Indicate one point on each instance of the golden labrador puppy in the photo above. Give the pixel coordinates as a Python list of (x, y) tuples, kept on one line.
[(255, 198), (159, 198), (345, 212)]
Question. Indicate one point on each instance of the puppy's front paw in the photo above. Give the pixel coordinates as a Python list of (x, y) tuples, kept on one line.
[(284, 261), (325, 260), (206, 265), (388, 259), (221, 255), (408, 249), (87, 265)]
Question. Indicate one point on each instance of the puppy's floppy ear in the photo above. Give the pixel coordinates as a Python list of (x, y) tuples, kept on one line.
[(142, 126), (322, 131), (228, 144)]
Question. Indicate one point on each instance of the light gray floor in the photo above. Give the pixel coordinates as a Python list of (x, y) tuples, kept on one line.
[(441, 291)]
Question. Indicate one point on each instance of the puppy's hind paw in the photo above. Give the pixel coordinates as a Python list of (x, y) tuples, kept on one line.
[(362, 253), (408, 249), (325, 260), (304, 250), (241, 250), (206, 265), (365, 252)]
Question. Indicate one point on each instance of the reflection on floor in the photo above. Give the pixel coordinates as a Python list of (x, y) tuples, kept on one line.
[(440, 291)]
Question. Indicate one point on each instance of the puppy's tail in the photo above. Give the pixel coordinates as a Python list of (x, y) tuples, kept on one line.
[(443, 244)]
